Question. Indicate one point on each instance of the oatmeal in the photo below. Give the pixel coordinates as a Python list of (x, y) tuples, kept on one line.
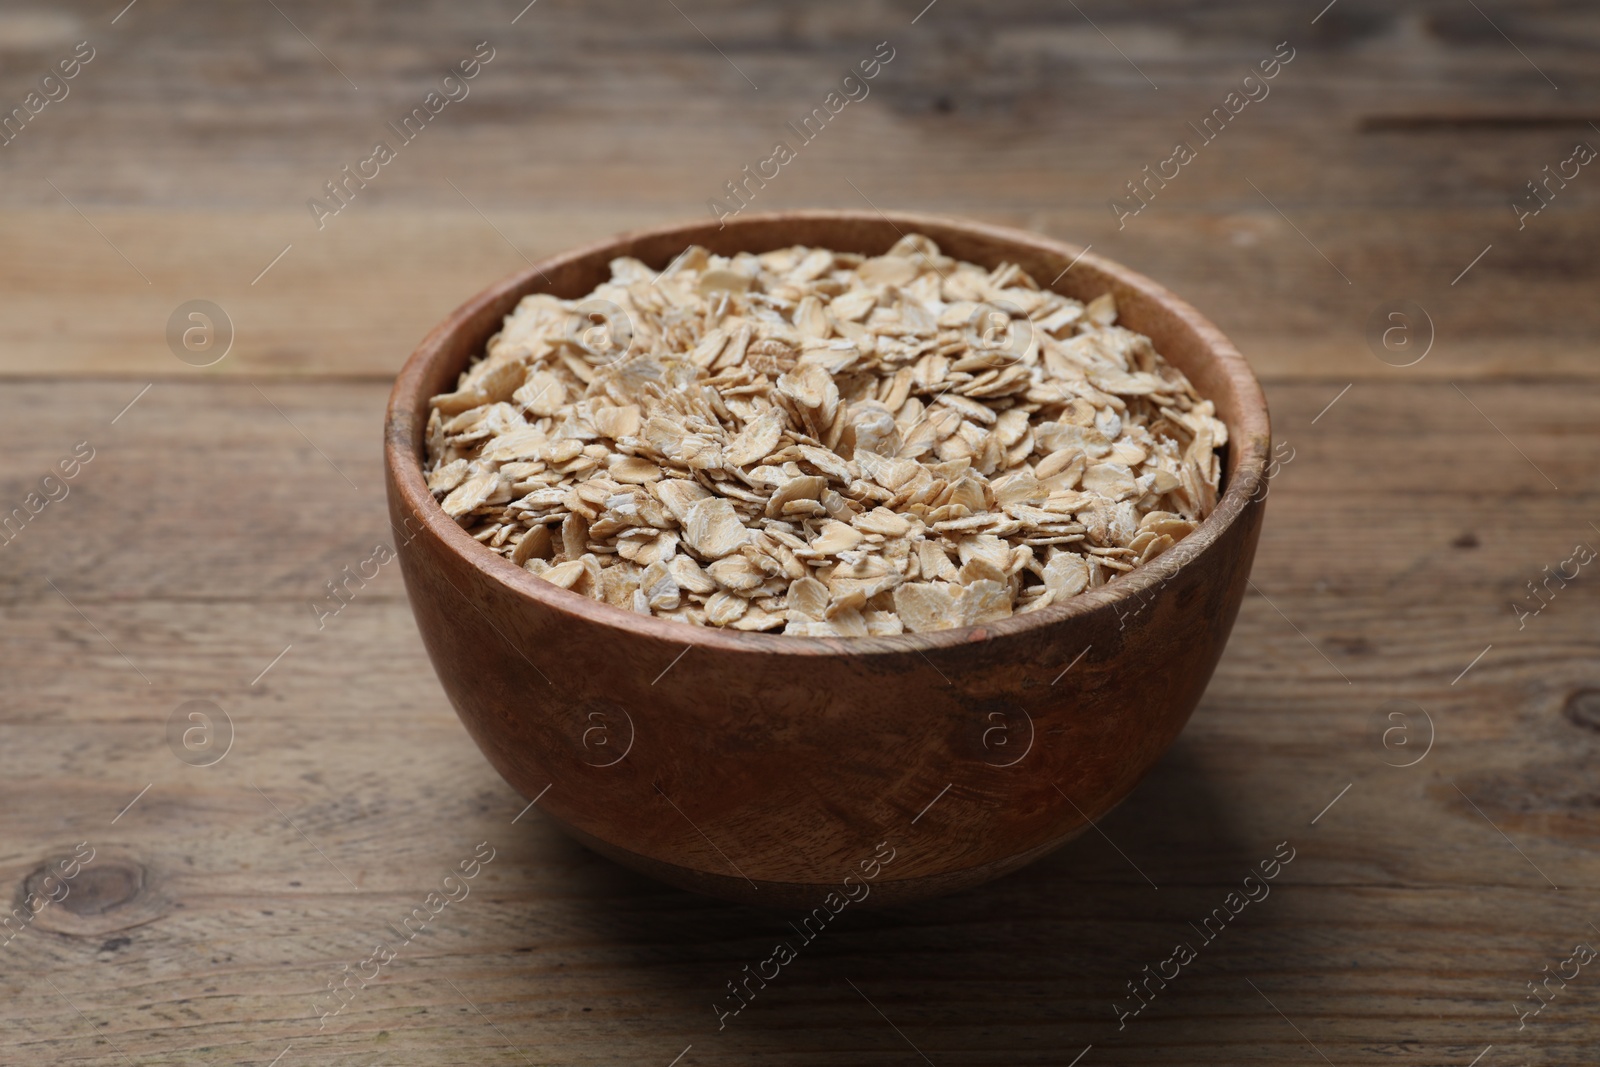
[(823, 443)]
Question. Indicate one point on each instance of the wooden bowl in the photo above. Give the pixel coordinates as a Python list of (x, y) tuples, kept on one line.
[(793, 771)]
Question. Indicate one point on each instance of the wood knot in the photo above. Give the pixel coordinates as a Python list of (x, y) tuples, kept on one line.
[(92, 893), (1583, 708), (97, 888)]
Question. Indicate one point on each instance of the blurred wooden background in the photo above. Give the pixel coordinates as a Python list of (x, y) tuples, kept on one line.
[(1414, 506)]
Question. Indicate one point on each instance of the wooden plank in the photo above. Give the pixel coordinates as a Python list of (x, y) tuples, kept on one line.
[(1518, 753), (1406, 923), (354, 302), (277, 455), (1029, 119)]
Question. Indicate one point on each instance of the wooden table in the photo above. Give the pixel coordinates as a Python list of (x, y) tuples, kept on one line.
[(1429, 756)]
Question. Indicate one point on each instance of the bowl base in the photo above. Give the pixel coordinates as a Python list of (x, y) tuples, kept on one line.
[(761, 893)]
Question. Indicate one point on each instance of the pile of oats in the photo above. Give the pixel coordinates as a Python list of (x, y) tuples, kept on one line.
[(824, 443)]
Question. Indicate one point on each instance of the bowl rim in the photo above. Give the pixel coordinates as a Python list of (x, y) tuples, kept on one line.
[(403, 449)]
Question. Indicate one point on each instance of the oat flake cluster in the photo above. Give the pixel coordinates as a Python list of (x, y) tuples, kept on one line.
[(824, 443)]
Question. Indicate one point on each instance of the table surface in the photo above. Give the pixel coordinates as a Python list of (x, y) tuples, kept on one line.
[(1426, 752)]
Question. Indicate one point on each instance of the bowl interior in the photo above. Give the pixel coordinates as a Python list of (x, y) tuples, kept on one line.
[(1184, 337)]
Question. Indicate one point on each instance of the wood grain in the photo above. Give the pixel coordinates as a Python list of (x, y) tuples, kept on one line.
[(225, 124), (1406, 922), (1397, 538)]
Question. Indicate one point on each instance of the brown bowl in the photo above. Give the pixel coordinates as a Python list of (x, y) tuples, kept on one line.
[(769, 769)]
